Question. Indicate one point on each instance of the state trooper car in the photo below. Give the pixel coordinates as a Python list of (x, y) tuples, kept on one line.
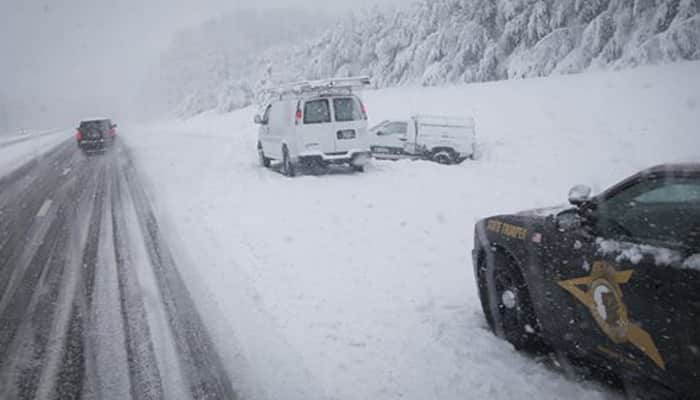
[(613, 280)]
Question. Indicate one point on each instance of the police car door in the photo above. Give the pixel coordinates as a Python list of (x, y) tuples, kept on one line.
[(638, 290)]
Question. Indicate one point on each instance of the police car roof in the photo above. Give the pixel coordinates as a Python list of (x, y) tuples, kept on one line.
[(674, 169), (671, 170)]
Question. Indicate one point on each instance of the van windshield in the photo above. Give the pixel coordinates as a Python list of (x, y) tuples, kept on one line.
[(347, 109)]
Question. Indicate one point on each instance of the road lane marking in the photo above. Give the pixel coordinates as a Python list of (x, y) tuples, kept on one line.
[(44, 208), (66, 171)]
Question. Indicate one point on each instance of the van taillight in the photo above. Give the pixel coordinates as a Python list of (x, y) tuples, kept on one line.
[(364, 110), (78, 135), (297, 118)]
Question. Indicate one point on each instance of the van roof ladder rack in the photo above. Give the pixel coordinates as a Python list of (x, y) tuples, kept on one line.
[(324, 86)]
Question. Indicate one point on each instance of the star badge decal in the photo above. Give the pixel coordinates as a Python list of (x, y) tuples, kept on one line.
[(601, 293)]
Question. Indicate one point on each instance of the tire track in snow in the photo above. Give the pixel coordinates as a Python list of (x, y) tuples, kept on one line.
[(31, 316), (71, 375), (91, 302), (13, 310), (108, 333), (27, 194), (143, 367), (198, 358), (82, 207)]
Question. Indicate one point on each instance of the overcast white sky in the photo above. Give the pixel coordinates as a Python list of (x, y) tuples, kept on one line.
[(62, 59)]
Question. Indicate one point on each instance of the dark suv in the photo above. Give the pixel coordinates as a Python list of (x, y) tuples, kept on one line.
[(96, 134)]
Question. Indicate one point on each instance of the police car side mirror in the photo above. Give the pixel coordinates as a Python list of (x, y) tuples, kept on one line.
[(258, 120), (580, 195), (567, 220)]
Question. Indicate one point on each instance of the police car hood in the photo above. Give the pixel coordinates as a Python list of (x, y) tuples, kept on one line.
[(544, 212)]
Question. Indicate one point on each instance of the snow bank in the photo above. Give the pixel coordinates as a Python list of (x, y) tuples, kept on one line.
[(14, 151), (349, 286)]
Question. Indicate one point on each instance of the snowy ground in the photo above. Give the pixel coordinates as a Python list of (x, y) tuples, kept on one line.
[(16, 150), (360, 286)]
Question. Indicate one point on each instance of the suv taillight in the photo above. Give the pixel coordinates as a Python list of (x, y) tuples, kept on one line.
[(364, 110), (78, 135)]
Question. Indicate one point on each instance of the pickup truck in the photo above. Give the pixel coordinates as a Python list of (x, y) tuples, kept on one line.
[(443, 139)]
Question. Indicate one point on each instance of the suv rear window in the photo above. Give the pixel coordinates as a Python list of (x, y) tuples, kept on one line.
[(347, 109), (102, 125), (317, 112)]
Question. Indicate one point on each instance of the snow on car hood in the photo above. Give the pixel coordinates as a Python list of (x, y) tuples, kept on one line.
[(692, 262), (544, 212)]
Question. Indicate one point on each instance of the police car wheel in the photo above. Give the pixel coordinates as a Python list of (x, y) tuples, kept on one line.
[(514, 312)]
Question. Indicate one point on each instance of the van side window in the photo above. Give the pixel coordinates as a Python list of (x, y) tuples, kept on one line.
[(347, 109), (317, 112)]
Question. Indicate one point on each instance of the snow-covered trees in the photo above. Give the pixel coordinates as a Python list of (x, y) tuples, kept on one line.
[(449, 41), (435, 42)]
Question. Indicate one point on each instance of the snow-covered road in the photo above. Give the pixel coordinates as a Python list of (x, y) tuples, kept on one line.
[(16, 150), (91, 302), (347, 286)]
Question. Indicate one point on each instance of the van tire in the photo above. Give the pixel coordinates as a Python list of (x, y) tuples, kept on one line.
[(262, 159), (287, 164), (358, 168)]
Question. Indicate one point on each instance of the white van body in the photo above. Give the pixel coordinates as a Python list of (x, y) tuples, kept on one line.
[(440, 138), (322, 125)]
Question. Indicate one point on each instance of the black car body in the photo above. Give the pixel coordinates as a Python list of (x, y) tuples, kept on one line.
[(613, 279), (94, 135)]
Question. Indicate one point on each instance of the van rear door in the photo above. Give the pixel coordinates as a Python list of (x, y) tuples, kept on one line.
[(350, 126), (317, 126)]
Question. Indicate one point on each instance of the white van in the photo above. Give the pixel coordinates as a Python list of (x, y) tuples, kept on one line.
[(315, 123), (443, 139)]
